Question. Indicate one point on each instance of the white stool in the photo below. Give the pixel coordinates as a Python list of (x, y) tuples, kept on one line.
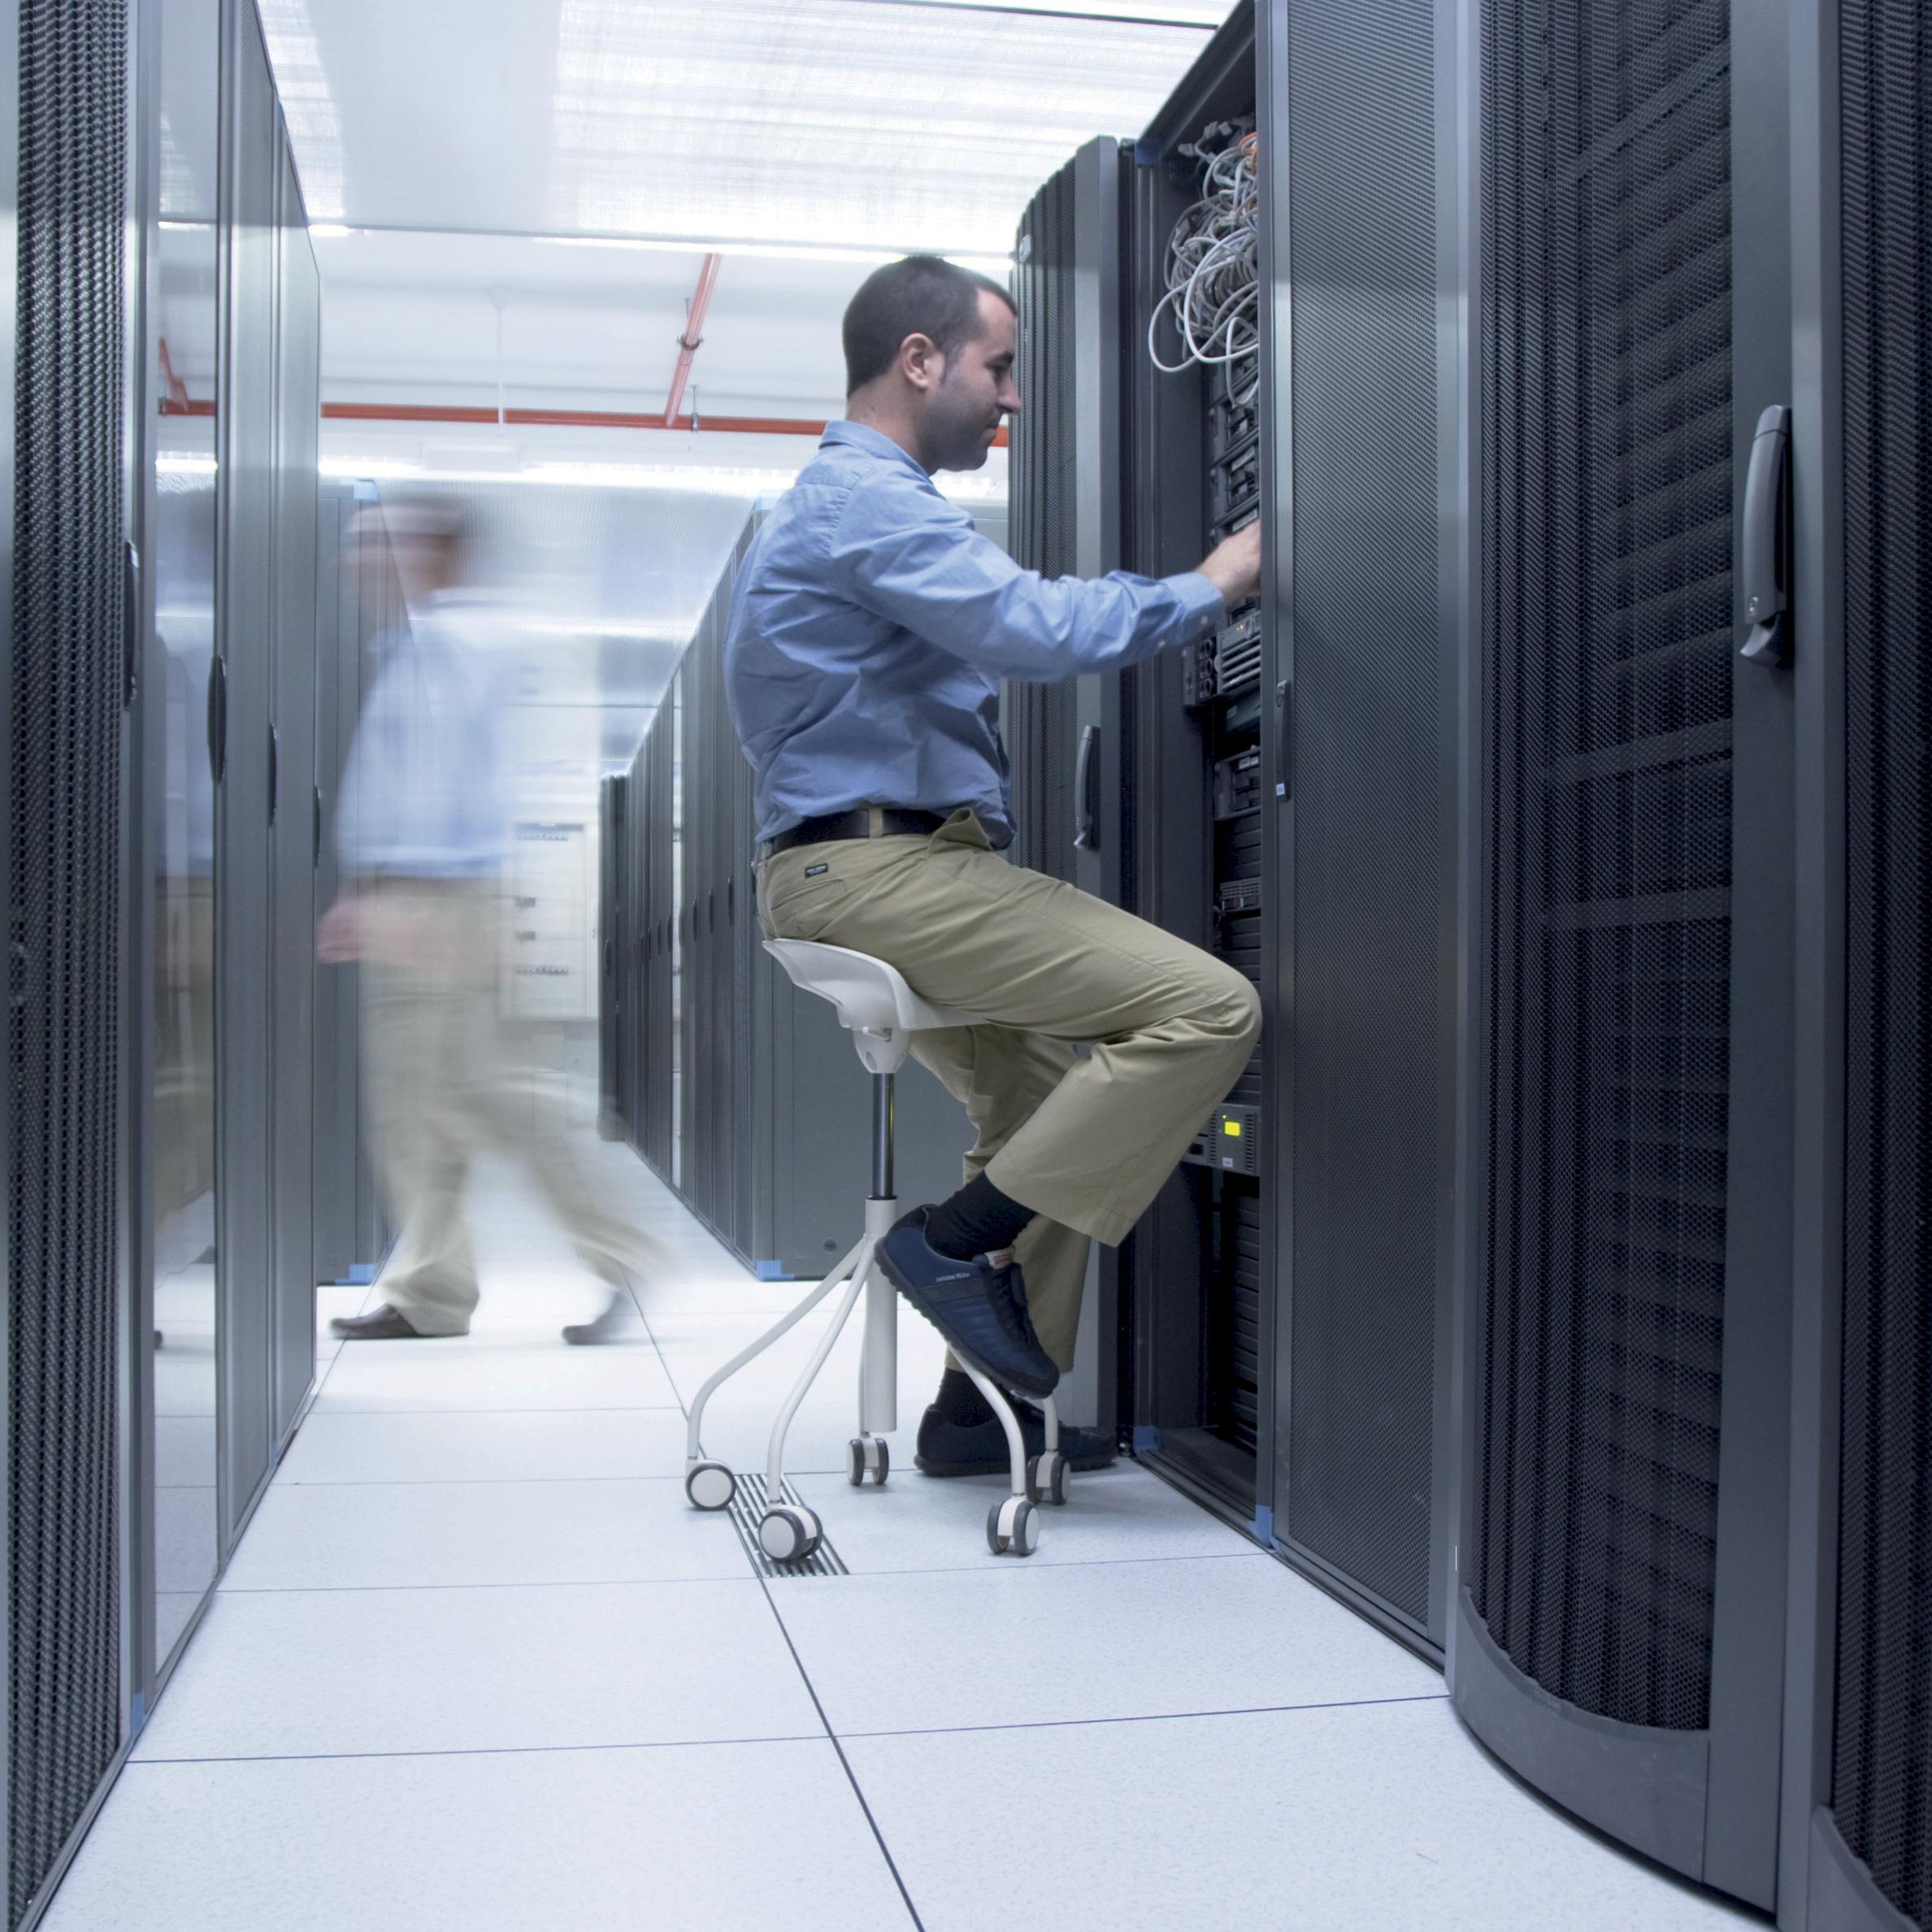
[(882, 1013)]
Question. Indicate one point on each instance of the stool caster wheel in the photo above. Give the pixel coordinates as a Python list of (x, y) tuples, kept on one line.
[(788, 1533), (711, 1486), (1013, 1528), (867, 1455), (1046, 1478)]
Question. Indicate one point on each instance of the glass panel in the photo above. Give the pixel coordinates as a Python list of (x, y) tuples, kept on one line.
[(181, 844)]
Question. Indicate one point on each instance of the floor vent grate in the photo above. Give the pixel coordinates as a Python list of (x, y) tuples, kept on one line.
[(748, 1506)]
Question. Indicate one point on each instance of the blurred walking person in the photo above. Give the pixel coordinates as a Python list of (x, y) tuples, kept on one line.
[(422, 834)]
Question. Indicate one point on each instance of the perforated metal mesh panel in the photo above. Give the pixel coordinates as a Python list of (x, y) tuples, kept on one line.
[(1368, 793), (1606, 481), (1881, 1784), (1040, 718), (64, 1093)]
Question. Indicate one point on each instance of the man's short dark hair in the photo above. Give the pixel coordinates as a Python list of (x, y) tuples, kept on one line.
[(922, 295)]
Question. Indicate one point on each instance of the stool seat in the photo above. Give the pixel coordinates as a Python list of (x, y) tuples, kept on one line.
[(871, 996)]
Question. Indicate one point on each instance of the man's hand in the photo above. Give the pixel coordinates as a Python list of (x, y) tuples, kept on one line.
[(1235, 568)]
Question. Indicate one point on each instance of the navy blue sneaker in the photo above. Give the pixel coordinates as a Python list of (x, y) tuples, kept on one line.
[(950, 1448), (980, 1310)]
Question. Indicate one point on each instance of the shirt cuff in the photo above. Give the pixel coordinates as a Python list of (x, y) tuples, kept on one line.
[(1204, 604)]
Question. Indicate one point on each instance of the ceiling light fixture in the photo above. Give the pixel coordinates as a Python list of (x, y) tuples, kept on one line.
[(771, 251)]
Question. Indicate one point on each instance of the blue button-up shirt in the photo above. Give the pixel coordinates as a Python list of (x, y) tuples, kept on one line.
[(872, 624), (424, 793)]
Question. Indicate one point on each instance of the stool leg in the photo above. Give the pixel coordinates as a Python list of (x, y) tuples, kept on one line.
[(1012, 1525), (1047, 1474), (879, 1386), (775, 1473), (710, 1485)]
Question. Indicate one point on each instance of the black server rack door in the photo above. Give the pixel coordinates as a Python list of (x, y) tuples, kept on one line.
[(1880, 1772), (246, 892), (609, 957), (1041, 719), (1198, 1323), (61, 703), (1359, 887), (1625, 1497), (293, 822)]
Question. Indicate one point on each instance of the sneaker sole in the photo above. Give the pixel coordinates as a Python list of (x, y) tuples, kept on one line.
[(963, 1350)]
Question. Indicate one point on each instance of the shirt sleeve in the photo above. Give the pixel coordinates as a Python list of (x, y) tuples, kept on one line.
[(917, 559)]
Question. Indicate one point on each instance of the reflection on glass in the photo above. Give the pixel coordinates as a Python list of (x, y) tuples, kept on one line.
[(181, 842)]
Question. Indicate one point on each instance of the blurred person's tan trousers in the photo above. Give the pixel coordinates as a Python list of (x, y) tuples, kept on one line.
[(438, 1091), (1084, 1142)]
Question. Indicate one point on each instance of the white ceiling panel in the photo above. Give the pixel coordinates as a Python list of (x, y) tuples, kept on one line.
[(879, 123)]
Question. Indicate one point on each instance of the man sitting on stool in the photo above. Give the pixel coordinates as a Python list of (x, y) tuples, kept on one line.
[(870, 631)]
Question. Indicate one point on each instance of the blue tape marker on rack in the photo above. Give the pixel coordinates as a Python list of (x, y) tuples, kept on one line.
[(360, 1276), (1262, 1528), (770, 1270), (1145, 1437), (1147, 152)]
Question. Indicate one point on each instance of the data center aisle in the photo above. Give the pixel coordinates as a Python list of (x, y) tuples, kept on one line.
[(477, 1666)]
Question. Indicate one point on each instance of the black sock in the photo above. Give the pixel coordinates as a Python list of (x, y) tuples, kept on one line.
[(977, 1220), (960, 1402)]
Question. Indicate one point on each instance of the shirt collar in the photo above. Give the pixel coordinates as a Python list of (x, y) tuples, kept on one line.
[(860, 436)]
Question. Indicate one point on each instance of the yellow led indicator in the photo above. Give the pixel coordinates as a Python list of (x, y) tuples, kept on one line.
[(1232, 1129)]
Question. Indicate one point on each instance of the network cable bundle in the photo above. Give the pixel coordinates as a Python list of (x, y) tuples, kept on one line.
[(1209, 318)]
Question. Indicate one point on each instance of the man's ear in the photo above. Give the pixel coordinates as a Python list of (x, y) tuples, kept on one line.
[(921, 363)]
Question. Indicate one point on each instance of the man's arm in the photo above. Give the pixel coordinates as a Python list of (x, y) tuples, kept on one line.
[(923, 564)]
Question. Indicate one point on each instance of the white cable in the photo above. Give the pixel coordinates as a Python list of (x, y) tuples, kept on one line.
[(1213, 265)]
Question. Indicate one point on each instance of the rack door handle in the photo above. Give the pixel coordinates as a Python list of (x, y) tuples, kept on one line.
[(131, 623), (1087, 804), (315, 830), (218, 717), (1767, 540), (1284, 739), (275, 771)]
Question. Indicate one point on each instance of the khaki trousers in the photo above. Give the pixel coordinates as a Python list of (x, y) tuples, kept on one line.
[(1085, 1141), (438, 1092)]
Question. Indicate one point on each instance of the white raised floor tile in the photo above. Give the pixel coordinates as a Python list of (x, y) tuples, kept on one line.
[(486, 1446), (301, 1673), (1341, 1820), (338, 1536), (1016, 1642), (731, 1837), (1124, 1513)]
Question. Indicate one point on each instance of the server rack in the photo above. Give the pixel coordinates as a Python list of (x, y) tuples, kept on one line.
[(65, 1119), (1856, 1841), (1068, 743), (614, 933), (359, 604), (1631, 928), (240, 711), (295, 796)]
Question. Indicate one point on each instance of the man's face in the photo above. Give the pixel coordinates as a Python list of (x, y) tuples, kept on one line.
[(975, 394)]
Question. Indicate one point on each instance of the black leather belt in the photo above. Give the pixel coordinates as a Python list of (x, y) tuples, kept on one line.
[(857, 824)]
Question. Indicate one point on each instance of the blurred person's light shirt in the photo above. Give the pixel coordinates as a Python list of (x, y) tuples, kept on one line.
[(424, 789), (872, 624)]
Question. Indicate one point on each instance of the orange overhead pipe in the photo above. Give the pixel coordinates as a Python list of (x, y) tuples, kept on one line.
[(556, 419), (692, 337)]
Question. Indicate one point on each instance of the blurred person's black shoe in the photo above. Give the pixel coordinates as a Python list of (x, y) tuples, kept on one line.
[(980, 1308), (960, 1435), (618, 1319), (383, 1324)]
